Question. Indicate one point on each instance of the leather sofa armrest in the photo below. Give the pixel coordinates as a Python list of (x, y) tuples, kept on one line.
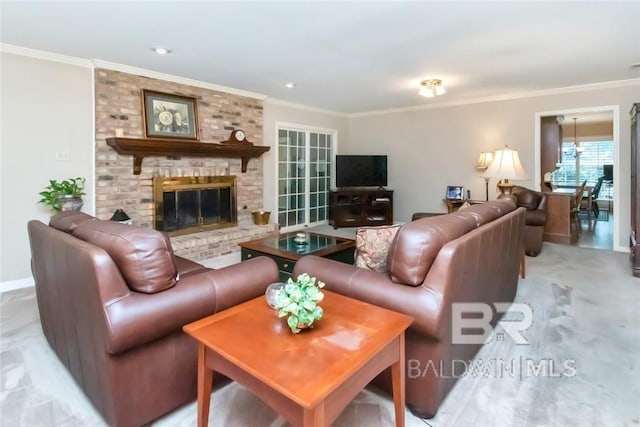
[(138, 318), (241, 282), (543, 203), (186, 266), (420, 302)]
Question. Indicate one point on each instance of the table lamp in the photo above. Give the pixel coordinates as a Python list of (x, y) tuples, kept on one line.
[(505, 165), (484, 161)]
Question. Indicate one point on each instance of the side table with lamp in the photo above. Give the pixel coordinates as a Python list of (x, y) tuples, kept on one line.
[(505, 166)]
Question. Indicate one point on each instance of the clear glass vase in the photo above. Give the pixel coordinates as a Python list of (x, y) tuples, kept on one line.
[(271, 292)]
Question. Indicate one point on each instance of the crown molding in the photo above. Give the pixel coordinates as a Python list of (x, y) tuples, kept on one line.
[(282, 103), (44, 55), (506, 97), (98, 63)]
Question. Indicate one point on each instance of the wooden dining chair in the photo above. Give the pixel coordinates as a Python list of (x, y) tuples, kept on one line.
[(595, 193), (576, 202)]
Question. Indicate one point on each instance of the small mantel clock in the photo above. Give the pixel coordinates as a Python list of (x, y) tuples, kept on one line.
[(237, 137)]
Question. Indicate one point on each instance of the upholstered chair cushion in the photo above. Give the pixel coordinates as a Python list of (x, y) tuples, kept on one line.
[(536, 217), (372, 247), (67, 221), (528, 199), (143, 256), (417, 244)]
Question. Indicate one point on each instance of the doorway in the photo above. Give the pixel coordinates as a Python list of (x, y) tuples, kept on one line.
[(582, 154)]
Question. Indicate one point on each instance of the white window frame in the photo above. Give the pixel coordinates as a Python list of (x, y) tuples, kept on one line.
[(334, 149), (578, 160)]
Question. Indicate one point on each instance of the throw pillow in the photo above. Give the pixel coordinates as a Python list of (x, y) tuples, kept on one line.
[(143, 256), (372, 246)]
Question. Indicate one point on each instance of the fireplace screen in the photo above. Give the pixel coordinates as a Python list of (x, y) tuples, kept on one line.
[(191, 204)]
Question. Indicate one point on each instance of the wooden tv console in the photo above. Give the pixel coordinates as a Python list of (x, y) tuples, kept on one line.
[(357, 208)]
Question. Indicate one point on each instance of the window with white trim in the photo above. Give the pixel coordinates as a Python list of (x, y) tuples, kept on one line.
[(305, 165), (585, 161)]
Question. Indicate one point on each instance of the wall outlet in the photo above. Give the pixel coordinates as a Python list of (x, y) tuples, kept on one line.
[(63, 155)]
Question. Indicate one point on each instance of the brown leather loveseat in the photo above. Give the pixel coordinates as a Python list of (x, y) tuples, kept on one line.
[(470, 256), (535, 203), (113, 299)]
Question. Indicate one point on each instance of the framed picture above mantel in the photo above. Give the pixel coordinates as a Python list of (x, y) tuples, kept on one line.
[(169, 116)]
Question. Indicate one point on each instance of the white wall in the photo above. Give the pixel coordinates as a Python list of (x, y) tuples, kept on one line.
[(275, 111), (431, 148), (47, 107)]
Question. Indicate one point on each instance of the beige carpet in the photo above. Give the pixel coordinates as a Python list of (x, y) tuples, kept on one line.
[(581, 368)]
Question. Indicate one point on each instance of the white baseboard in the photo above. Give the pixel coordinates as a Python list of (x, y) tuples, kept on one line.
[(11, 285)]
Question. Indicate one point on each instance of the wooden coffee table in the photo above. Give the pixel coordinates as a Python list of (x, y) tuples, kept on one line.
[(308, 378), (284, 250)]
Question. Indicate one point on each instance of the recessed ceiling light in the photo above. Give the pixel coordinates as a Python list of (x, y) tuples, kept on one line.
[(161, 50), (289, 85)]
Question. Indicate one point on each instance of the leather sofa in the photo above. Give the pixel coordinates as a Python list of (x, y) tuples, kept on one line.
[(535, 203), (470, 256), (113, 299)]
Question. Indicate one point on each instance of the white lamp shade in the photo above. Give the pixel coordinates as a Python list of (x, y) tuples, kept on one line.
[(506, 165), (484, 160)]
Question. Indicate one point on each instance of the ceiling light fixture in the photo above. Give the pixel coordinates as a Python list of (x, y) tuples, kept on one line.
[(161, 50), (289, 85), (431, 88), (576, 149)]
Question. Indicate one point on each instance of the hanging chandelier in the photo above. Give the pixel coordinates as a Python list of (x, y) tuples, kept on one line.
[(576, 150)]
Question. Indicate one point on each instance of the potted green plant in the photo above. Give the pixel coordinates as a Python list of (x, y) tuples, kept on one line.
[(298, 301), (63, 195)]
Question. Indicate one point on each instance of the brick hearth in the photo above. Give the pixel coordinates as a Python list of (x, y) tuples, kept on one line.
[(119, 106)]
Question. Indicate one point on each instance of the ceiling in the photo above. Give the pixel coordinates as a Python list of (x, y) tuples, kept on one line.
[(351, 56)]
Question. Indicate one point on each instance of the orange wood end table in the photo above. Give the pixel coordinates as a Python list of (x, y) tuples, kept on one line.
[(308, 378)]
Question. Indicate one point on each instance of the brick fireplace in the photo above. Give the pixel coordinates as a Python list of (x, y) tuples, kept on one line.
[(188, 205), (119, 106)]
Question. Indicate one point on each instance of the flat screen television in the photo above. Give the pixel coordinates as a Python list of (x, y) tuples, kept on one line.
[(361, 171), (607, 172)]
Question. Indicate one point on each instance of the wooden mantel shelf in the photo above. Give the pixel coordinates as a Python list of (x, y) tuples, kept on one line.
[(140, 148)]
